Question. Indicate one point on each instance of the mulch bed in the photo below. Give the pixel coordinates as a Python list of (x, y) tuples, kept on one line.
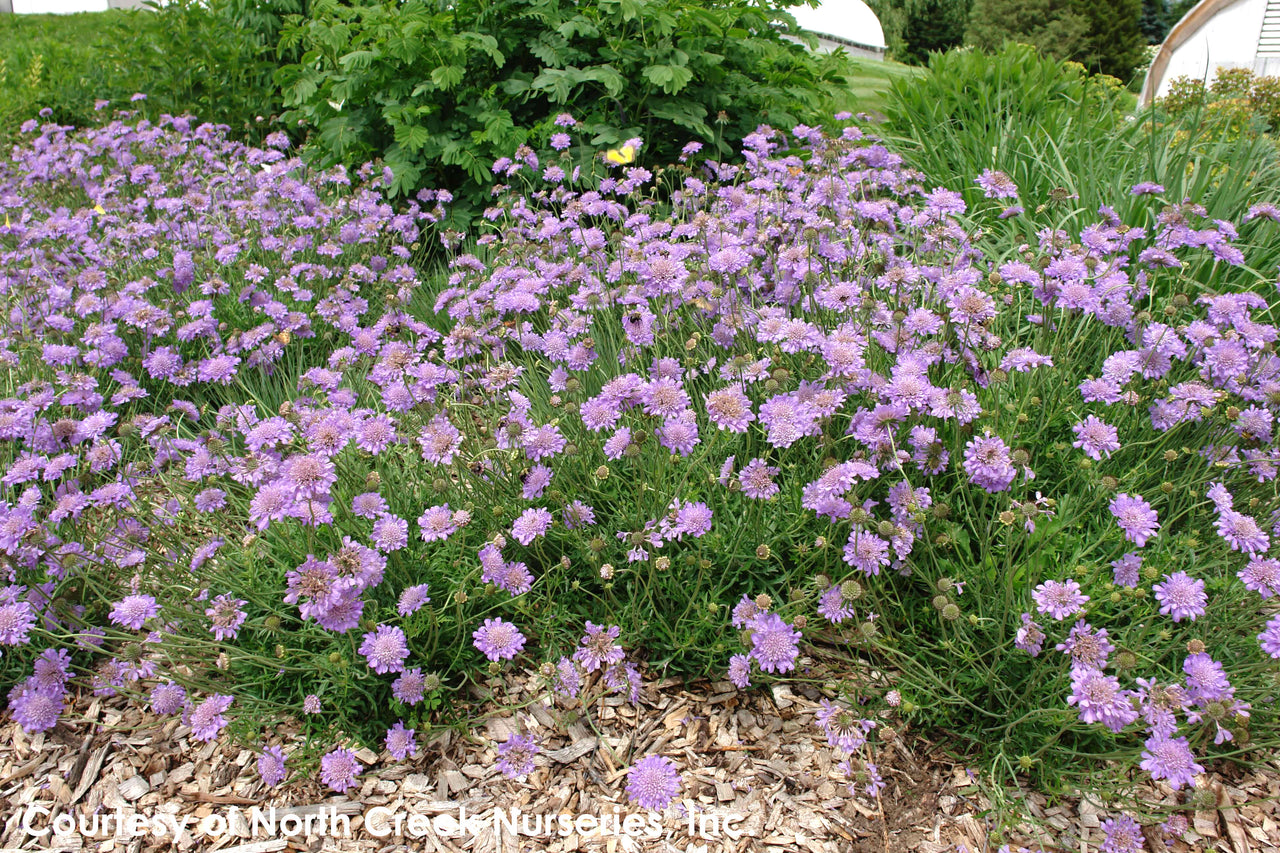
[(755, 757)]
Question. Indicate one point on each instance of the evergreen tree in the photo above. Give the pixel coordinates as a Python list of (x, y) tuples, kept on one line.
[(933, 25), (1155, 20), (915, 28), (1115, 42), (1052, 26)]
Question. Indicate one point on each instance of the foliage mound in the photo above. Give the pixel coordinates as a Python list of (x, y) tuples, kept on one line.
[(439, 92), (255, 465)]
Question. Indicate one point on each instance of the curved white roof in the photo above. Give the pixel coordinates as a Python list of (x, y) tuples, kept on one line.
[(851, 20)]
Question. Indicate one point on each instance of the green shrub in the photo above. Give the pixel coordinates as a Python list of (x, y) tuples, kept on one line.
[(441, 93), (1245, 101)]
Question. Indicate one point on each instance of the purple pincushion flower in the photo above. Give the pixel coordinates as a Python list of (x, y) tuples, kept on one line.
[(1096, 438), (1126, 570), (386, 648), (598, 649), (167, 698), (1030, 637), (206, 719), (1269, 639), (989, 464), (1059, 599), (400, 742), (1171, 760), (756, 480), (339, 769), (1122, 835), (653, 782), (1181, 596), (531, 524), (271, 766), (16, 618), (1100, 699), (515, 756), (740, 671), (774, 643), (36, 710), (409, 687), (498, 640), (412, 599), (133, 611), (1136, 518), (227, 615)]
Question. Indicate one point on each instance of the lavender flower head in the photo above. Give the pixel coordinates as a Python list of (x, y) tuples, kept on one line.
[(400, 742), (515, 756), (774, 643), (498, 640), (386, 648), (1136, 518), (1171, 760), (206, 719), (653, 782), (339, 769), (133, 611), (1122, 835), (598, 649), (271, 766), (1181, 596), (1059, 599)]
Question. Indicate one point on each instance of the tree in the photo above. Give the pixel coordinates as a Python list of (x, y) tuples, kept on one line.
[(1115, 43), (1155, 20), (1052, 26), (915, 28)]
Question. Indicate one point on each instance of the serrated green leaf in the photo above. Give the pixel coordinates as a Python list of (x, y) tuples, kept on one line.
[(447, 76)]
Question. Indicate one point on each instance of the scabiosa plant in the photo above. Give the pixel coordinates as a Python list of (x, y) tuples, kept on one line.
[(515, 755), (653, 782), (386, 649), (339, 769), (1181, 596), (271, 766), (612, 411), (498, 640), (400, 742)]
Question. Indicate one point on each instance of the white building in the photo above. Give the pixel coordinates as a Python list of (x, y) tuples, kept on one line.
[(1217, 34), (849, 24)]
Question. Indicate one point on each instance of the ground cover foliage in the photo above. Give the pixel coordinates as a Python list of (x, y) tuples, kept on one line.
[(1002, 429)]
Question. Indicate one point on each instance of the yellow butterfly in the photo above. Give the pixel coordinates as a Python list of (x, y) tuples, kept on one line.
[(622, 156), (97, 208)]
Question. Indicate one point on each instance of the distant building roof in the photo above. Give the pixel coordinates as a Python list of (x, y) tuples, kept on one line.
[(846, 21)]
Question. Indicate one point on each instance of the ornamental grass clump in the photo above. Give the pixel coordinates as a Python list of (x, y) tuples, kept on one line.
[(703, 421)]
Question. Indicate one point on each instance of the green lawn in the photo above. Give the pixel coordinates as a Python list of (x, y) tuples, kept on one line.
[(868, 83)]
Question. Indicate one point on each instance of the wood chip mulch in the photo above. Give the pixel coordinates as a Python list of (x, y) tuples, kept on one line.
[(755, 756)]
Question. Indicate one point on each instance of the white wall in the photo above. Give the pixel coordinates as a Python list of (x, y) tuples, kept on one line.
[(1228, 40)]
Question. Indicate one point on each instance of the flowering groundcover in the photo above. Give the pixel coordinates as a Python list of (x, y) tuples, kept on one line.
[(256, 463)]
